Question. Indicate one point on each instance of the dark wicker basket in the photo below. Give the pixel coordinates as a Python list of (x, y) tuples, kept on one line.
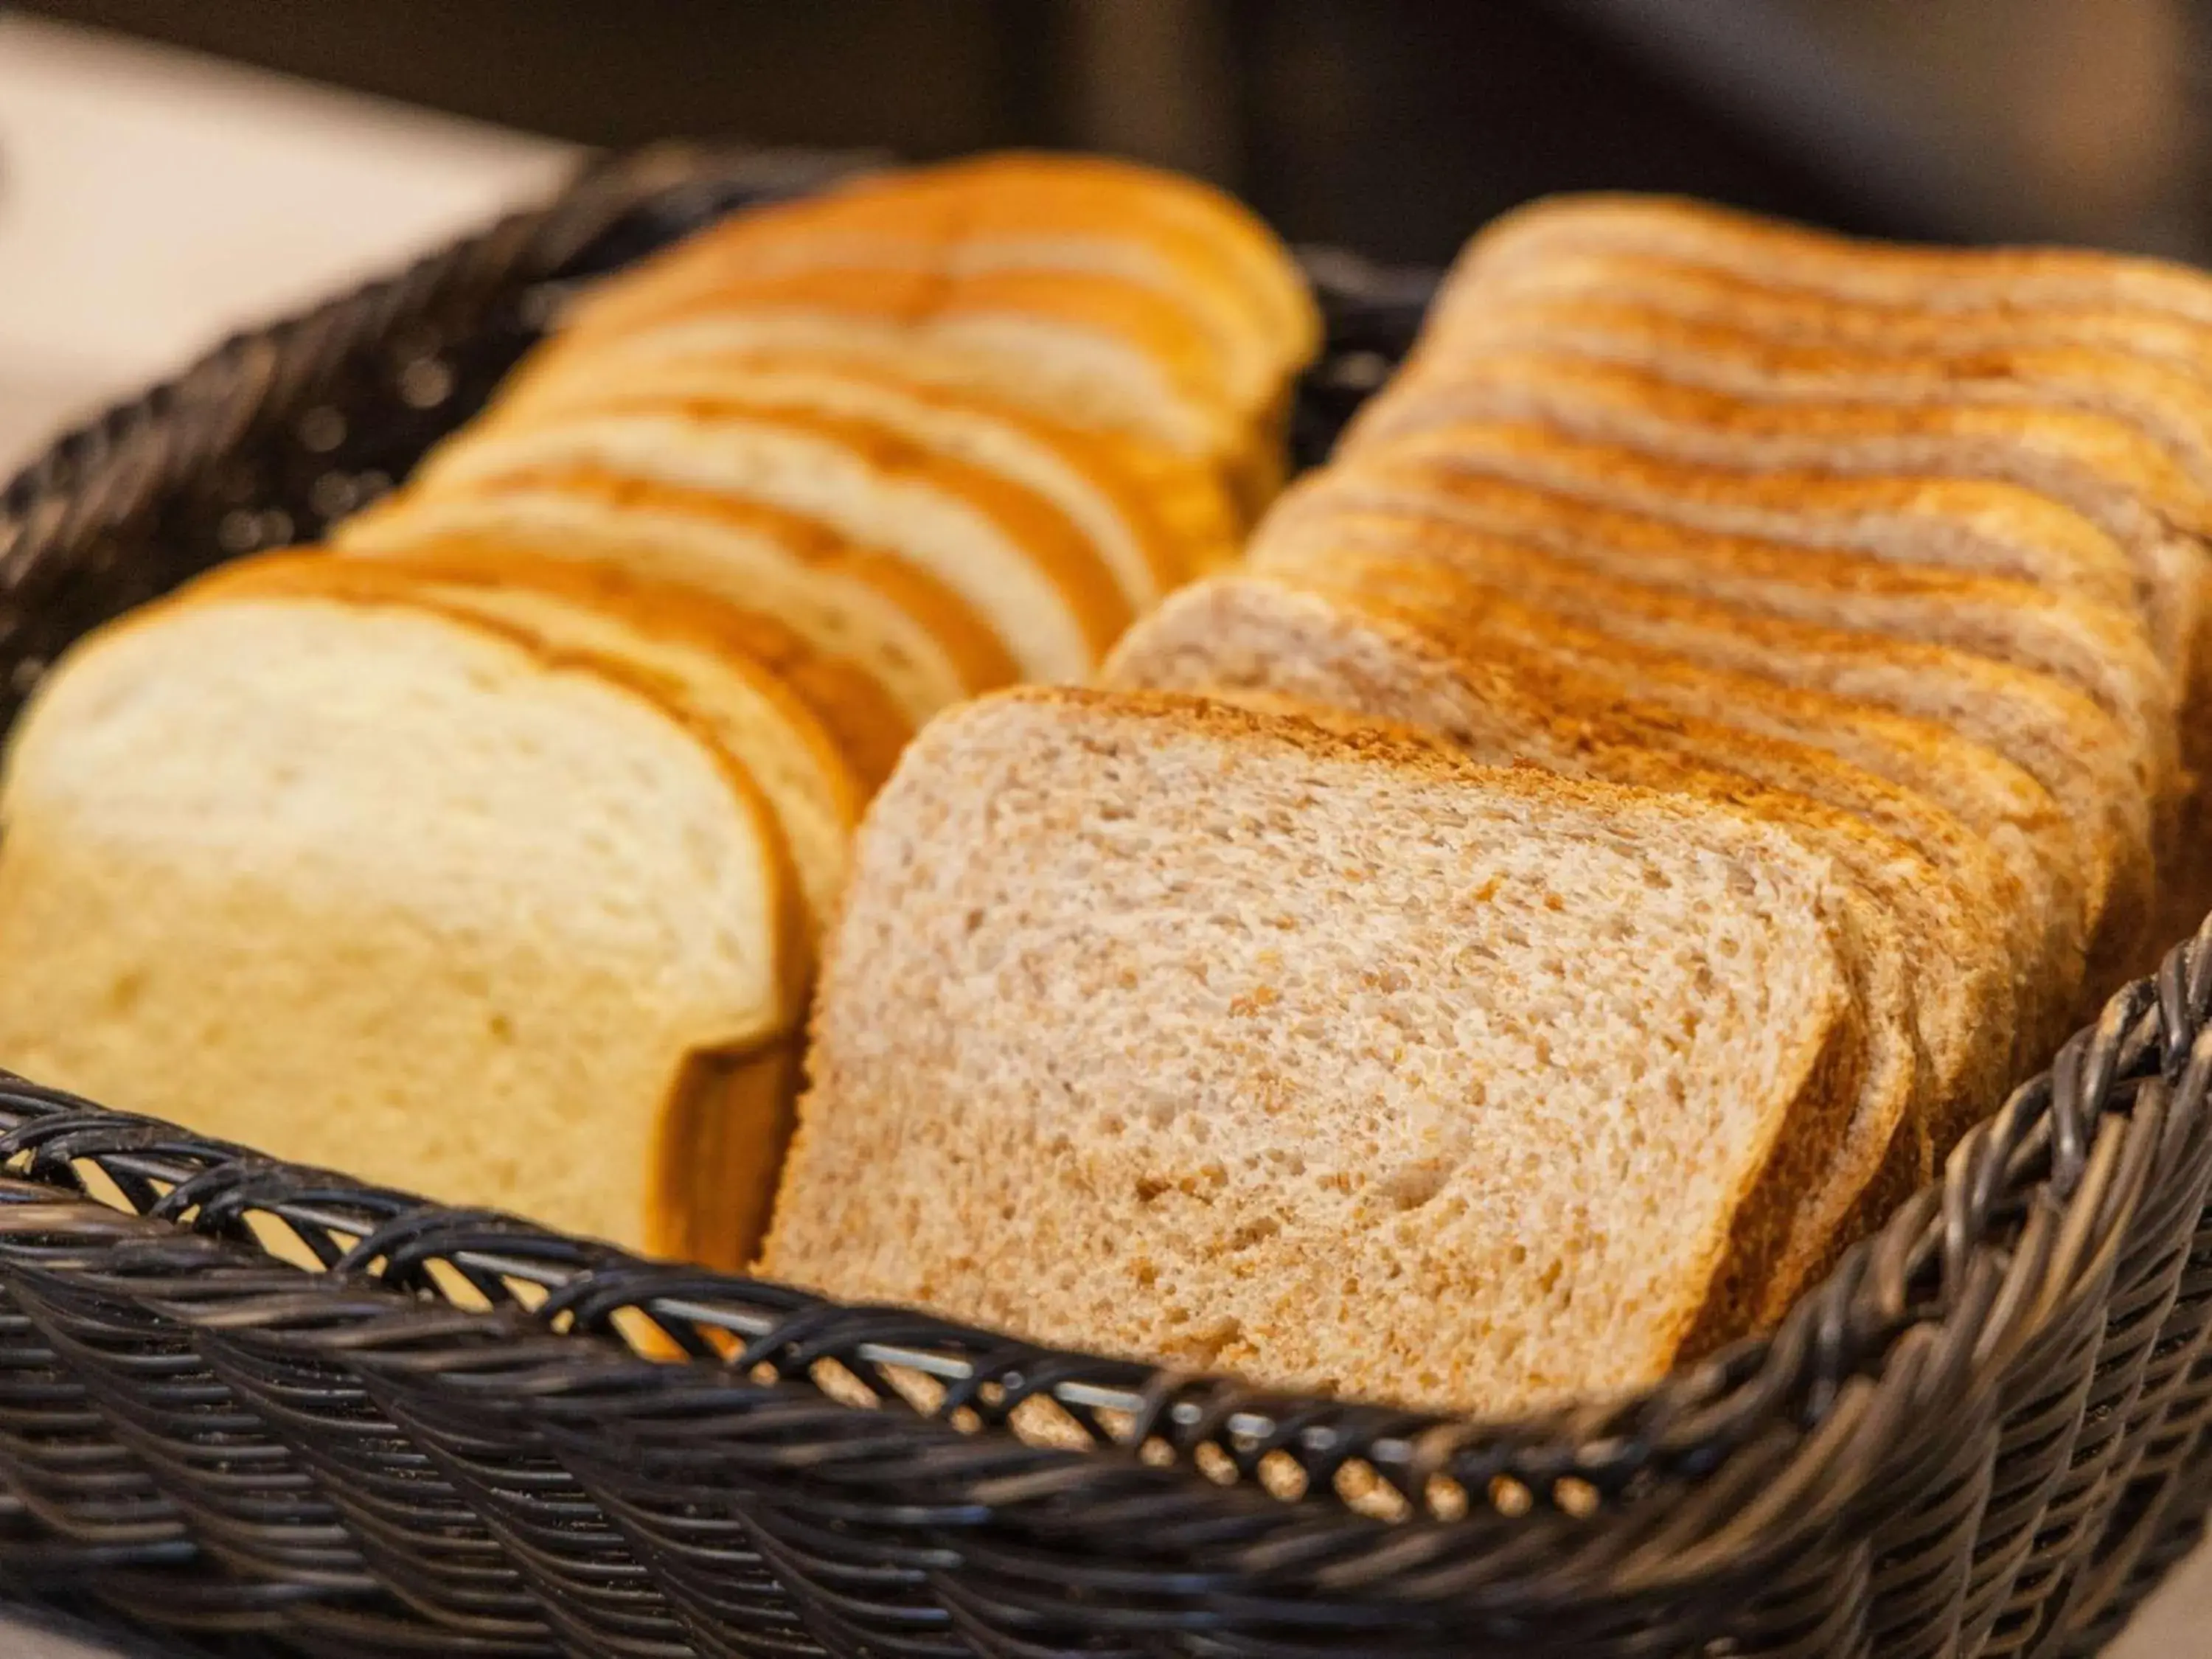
[(1986, 1434)]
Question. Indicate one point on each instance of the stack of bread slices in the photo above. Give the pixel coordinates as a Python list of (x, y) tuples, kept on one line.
[(1839, 614), (484, 853)]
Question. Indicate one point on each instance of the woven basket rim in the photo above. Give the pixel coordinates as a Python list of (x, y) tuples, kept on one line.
[(1775, 1439)]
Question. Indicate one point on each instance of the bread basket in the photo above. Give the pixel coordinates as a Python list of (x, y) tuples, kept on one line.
[(1987, 1433)]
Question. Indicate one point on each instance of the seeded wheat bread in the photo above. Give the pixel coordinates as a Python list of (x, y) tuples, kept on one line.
[(379, 889), (1170, 1030)]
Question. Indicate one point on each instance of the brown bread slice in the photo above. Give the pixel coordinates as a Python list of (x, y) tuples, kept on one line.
[(847, 598), (1783, 255), (1171, 1030), (2102, 468), (2076, 893), (1257, 640), (2098, 650), (2113, 775)]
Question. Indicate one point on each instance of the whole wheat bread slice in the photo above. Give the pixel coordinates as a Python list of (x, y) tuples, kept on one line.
[(1174, 1030), (1256, 639)]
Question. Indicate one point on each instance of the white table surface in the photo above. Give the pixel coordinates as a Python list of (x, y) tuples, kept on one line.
[(151, 201)]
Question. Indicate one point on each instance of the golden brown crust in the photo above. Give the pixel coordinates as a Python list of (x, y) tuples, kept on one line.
[(975, 651), (847, 700), (774, 381)]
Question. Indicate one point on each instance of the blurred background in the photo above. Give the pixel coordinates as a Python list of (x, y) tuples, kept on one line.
[(172, 169)]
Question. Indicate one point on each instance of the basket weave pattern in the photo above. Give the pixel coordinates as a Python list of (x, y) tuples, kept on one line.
[(1987, 1433)]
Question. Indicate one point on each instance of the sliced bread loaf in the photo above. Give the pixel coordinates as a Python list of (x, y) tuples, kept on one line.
[(846, 598), (1184, 1032), (381, 890), (1082, 474), (1255, 639), (1015, 560), (697, 656)]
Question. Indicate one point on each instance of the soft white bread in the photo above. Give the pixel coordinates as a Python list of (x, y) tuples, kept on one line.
[(1172, 1029), (1094, 351), (817, 736), (379, 889), (1193, 247), (1009, 554), (844, 597), (1091, 479)]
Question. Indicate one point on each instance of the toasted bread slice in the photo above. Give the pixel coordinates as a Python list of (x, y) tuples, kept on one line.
[(1084, 475), (1334, 648), (1015, 561), (846, 598), (2101, 467), (1325, 1060), (383, 891), (1997, 709), (1714, 331)]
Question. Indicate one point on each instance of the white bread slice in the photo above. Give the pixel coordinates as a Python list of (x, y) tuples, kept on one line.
[(1170, 1030), (2098, 650), (1087, 349), (844, 597), (378, 889), (2145, 353), (1015, 561), (1238, 635), (696, 656), (1786, 256), (1084, 475), (1012, 215)]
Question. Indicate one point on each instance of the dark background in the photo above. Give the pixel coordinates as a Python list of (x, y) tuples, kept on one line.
[(1395, 126)]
